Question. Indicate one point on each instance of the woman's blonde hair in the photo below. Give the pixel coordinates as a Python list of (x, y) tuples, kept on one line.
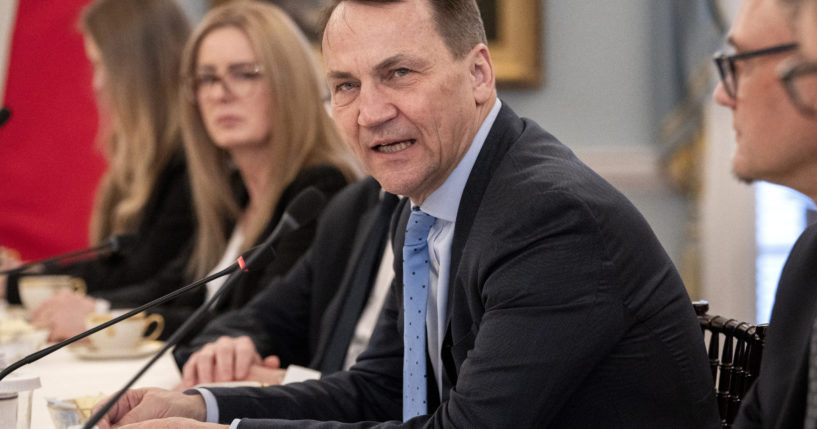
[(140, 44), (301, 132)]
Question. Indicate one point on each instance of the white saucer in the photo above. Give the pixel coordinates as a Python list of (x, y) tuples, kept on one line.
[(86, 351)]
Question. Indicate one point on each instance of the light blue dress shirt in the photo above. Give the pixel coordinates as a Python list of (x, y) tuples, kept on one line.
[(444, 204)]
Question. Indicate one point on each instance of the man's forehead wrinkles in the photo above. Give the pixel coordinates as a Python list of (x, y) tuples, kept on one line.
[(344, 18), (339, 17)]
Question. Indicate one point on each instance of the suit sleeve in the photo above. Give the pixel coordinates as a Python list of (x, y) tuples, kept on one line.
[(284, 318), (544, 278), (749, 413), (276, 320), (328, 180), (369, 392)]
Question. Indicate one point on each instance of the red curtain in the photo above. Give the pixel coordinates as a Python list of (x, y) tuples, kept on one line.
[(49, 164)]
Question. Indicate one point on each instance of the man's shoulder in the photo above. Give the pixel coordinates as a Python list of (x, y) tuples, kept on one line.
[(799, 271), (800, 265), (809, 237), (532, 153), (524, 172), (539, 164)]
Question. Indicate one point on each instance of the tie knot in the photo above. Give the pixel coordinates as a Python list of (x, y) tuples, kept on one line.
[(419, 224)]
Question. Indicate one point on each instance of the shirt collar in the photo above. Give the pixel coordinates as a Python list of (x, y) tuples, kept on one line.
[(444, 202)]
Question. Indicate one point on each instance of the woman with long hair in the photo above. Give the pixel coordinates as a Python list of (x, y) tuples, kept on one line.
[(256, 134), (135, 48)]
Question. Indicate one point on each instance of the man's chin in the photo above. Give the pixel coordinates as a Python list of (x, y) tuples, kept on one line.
[(743, 177)]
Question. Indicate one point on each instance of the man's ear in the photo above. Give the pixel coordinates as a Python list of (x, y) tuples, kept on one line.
[(481, 71)]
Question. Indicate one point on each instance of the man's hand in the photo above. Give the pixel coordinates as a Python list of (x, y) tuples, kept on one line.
[(230, 359), (139, 405), (268, 373), (64, 314)]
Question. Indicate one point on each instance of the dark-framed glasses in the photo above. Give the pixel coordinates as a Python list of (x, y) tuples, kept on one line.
[(240, 80), (726, 64), (800, 81)]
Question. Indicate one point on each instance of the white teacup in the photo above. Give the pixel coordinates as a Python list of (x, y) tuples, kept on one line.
[(125, 335), (35, 290)]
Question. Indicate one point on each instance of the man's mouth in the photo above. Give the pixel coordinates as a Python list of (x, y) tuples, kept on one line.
[(394, 147)]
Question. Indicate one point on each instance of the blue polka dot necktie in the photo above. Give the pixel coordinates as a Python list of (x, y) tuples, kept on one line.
[(415, 295)]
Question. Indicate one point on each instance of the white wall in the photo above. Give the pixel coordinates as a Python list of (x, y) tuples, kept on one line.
[(727, 216), (596, 99), (596, 90)]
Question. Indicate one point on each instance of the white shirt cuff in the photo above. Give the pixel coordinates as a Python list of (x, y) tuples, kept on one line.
[(210, 404), (294, 374), (297, 373)]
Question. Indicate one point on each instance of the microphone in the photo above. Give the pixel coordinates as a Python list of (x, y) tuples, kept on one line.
[(305, 207), (51, 349), (111, 246), (5, 114)]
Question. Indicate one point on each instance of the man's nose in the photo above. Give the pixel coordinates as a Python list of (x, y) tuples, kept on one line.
[(722, 97), (375, 107)]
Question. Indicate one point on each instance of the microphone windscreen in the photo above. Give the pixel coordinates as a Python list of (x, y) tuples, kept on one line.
[(306, 206)]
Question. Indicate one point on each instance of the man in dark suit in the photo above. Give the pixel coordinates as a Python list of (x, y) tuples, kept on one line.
[(548, 300), (310, 316), (777, 144)]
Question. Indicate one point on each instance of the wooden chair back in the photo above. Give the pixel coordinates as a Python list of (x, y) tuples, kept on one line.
[(735, 349)]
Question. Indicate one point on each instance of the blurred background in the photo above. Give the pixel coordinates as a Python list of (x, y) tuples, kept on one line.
[(625, 84)]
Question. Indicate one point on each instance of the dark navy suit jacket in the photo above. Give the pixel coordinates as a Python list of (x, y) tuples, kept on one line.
[(296, 316), (564, 312), (777, 398)]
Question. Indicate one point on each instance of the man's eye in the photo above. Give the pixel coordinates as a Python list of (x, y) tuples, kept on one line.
[(345, 87), (401, 72), (344, 93)]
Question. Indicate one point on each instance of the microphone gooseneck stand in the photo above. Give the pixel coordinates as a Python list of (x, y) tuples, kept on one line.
[(303, 208), (176, 337), (50, 349), (112, 245)]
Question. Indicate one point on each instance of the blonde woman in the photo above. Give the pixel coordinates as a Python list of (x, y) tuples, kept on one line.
[(256, 134), (135, 48)]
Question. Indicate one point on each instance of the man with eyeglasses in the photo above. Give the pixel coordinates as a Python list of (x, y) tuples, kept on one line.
[(763, 84)]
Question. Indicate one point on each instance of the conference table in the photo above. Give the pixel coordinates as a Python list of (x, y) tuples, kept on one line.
[(78, 371), (74, 373)]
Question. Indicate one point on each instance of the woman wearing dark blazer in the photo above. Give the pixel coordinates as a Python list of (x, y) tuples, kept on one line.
[(256, 133), (135, 49), (254, 109)]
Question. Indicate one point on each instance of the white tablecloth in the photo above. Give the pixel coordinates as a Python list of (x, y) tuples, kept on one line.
[(64, 375)]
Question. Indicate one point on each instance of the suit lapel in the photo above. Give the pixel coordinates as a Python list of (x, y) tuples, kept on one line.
[(357, 277), (505, 131), (503, 134)]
